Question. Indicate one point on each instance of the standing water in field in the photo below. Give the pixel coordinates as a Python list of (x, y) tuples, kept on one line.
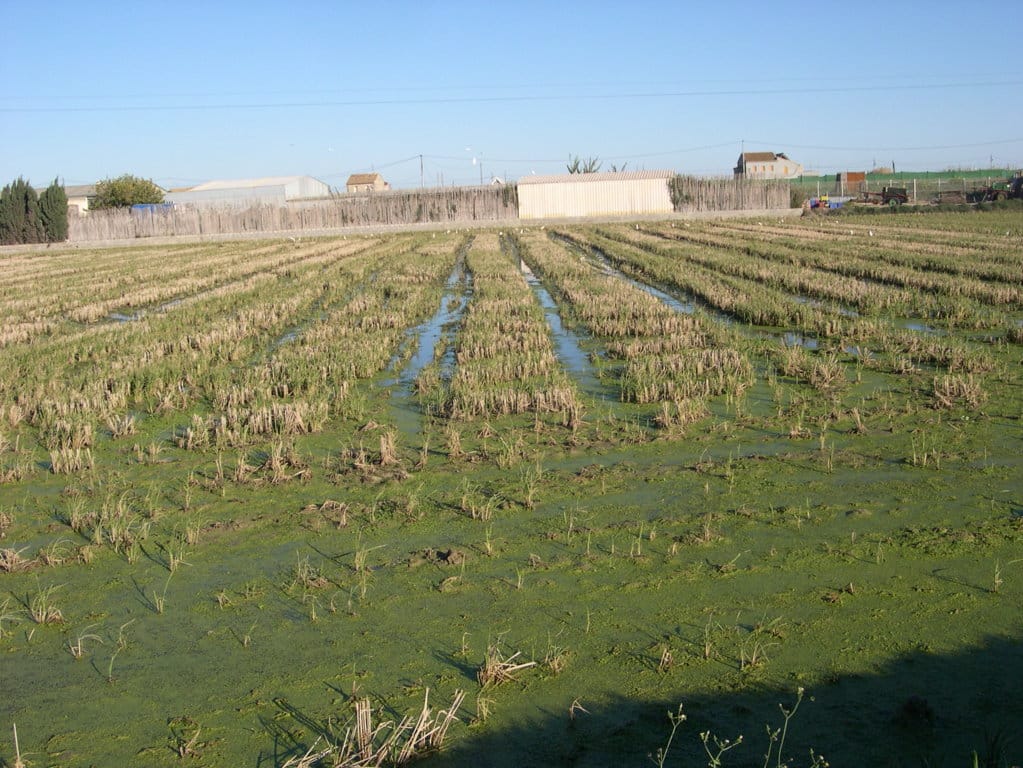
[(685, 307), (602, 263), (909, 324), (427, 337), (566, 342), (452, 307), (792, 339), (812, 302), (689, 307)]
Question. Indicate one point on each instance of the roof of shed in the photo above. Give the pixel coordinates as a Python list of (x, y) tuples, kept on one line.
[(266, 181), (759, 157), (363, 178), (564, 178)]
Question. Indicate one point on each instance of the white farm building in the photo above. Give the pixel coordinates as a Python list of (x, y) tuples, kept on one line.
[(595, 194), (273, 190)]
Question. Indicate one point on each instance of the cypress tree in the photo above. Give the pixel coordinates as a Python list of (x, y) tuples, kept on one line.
[(10, 221), (53, 212), (19, 214), (33, 231)]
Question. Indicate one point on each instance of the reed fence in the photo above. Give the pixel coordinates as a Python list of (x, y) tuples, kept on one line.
[(454, 205), (689, 194)]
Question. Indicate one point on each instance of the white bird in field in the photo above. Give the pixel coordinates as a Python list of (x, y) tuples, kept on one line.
[(870, 232)]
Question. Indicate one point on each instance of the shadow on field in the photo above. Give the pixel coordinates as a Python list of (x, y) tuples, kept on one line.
[(919, 710)]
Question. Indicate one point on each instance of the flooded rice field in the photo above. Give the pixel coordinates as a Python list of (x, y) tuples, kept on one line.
[(512, 498)]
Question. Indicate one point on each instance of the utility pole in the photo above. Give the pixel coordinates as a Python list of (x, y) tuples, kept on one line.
[(422, 181)]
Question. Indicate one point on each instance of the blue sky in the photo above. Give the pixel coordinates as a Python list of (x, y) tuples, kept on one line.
[(184, 92)]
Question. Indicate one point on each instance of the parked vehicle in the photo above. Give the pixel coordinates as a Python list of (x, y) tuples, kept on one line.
[(1010, 189), (887, 196)]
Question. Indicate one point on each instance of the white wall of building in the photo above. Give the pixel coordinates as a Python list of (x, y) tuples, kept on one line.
[(271, 190), (595, 194)]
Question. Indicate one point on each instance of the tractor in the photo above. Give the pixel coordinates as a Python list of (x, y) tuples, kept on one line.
[(1010, 189)]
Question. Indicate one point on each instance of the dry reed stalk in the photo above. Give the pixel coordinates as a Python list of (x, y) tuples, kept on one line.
[(388, 448), (69, 461), (364, 727), (453, 439), (18, 762), (121, 425), (954, 390), (11, 561), (390, 743), (497, 669)]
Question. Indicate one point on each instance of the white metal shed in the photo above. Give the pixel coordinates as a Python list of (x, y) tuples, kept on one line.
[(276, 190), (595, 194)]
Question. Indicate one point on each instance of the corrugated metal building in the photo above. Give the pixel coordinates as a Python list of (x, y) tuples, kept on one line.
[(595, 194), (273, 190)]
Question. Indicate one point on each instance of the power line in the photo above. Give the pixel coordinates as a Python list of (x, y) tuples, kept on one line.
[(517, 99), (664, 84), (886, 149)]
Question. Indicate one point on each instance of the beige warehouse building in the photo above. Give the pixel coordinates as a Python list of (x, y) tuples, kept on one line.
[(595, 194)]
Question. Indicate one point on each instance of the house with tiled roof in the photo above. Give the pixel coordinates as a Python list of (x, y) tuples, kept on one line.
[(366, 182), (79, 196), (766, 165)]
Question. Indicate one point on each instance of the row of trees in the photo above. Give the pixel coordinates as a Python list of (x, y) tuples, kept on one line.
[(27, 217)]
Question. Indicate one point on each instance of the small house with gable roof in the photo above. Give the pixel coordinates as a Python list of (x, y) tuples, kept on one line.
[(766, 165), (366, 182)]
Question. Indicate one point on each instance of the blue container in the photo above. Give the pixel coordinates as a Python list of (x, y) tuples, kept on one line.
[(152, 207)]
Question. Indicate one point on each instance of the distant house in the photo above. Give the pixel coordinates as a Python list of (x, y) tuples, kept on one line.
[(766, 165), (367, 182), (272, 190), (79, 196)]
